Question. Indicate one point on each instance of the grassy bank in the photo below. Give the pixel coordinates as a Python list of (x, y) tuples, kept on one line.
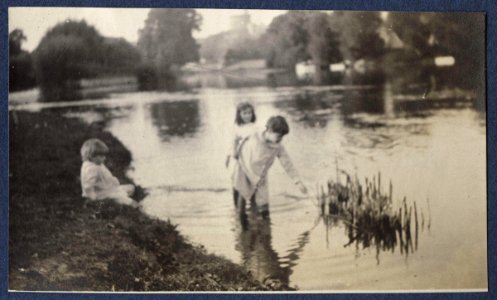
[(59, 241)]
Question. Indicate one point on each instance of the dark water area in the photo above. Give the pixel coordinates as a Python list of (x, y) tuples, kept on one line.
[(423, 137)]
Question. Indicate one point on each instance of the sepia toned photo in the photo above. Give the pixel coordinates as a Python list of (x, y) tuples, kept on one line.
[(246, 151)]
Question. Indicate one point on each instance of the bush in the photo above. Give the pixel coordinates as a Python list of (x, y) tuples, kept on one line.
[(75, 50), (61, 61), (148, 77), (21, 72)]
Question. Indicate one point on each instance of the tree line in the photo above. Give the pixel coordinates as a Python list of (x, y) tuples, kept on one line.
[(73, 50)]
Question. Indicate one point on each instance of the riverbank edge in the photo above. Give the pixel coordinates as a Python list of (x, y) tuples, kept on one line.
[(59, 241)]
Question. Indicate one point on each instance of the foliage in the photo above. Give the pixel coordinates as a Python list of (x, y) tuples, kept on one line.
[(165, 43), (147, 77), (231, 46), (299, 36), (21, 72), (119, 56), (167, 37), (213, 48), (359, 38), (247, 49), (16, 38), (73, 50), (286, 40), (323, 46), (461, 35), (369, 216)]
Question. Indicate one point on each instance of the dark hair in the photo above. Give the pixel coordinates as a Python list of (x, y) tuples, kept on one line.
[(243, 106), (278, 124)]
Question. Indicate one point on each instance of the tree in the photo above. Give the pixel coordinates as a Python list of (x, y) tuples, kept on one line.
[(73, 50), (16, 38), (299, 36), (213, 48), (21, 73), (119, 56), (286, 39), (323, 45), (167, 39), (359, 38), (461, 35)]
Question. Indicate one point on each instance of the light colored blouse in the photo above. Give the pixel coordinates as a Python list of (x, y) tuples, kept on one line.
[(97, 182)]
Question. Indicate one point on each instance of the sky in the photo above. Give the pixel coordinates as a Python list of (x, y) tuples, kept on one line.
[(117, 22)]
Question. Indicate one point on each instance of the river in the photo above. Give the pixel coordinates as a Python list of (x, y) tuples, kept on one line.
[(434, 153)]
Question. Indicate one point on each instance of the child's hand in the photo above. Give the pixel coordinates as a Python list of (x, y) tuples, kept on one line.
[(302, 187)]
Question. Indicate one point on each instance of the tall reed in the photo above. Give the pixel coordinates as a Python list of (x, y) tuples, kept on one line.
[(368, 213)]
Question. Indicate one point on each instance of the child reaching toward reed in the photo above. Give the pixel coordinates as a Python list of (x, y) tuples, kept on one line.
[(255, 155), (97, 182)]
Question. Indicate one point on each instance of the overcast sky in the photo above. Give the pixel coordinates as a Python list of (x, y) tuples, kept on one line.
[(117, 22)]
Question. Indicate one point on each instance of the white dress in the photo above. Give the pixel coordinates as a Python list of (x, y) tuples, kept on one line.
[(239, 133), (98, 183)]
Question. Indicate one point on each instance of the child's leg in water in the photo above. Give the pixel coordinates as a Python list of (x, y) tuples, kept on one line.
[(241, 203), (235, 197), (262, 196)]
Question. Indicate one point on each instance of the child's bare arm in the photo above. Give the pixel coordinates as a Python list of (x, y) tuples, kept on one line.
[(290, 169)]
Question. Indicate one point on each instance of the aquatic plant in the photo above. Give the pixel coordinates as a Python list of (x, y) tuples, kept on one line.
[(369, 214)]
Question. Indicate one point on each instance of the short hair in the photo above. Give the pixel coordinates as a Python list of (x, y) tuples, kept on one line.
[(92, 148), (241, 107), (278, 124)]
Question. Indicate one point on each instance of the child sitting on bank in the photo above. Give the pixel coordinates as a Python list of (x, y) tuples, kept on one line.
[(97, 182), (255, 155)]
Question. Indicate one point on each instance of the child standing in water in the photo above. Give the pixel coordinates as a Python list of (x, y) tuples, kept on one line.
[(97, 182), (255, 155), (245, 126)]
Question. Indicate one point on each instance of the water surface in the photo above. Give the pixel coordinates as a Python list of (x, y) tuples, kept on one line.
[(433, 152)]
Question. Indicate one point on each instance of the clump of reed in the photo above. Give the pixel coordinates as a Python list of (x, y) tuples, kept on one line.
[(369, 213)]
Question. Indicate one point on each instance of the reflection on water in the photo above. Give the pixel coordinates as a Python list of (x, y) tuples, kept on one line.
[(428, 148), (368, 215), (254, 242), (177, 118)]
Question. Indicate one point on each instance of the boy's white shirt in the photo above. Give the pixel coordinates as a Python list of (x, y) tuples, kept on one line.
[(97, 182), (255, 158)]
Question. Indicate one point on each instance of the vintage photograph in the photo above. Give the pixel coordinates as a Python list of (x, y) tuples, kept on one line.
[(246, 151)]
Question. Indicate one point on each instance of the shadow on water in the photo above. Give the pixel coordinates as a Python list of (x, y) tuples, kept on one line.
[(178, 118), (368, 216)]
